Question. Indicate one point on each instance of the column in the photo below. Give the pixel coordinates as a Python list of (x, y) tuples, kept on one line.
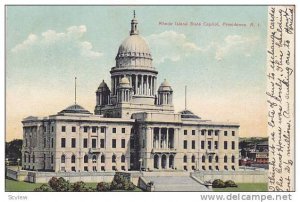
[(168, 138), (115, 88), (151, 137), (142, 88), (159, 138), (147, 85)]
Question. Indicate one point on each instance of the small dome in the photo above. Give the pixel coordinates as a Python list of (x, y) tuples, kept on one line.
[(187, 114), (75, 109), (124, 83), (165, 86), (103, 86)]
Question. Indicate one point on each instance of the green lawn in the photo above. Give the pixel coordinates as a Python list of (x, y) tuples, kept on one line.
[(18, 186), (245, 187), (12, 185)]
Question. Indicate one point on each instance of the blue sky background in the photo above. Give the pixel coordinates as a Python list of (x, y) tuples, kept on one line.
[(223, 67)]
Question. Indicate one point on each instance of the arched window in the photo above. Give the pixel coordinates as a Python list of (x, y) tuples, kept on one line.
[(232, 159), (210, 159), (113, 159), (33, 158), (63, 158), (73, 159), (193, 159), (184, 159), (94, 158), (123, 158), (225, 159), (29, 158), (85, 159), (102, 158), (25, 158), (217, 159), (203, 159)]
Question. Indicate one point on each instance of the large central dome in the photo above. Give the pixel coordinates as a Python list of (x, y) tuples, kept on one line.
[(134, 45), (134, 52)]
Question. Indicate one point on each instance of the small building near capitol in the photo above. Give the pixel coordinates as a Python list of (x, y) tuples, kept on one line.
[(134, 126)]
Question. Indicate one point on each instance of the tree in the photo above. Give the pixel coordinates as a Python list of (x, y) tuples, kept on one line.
[(13, 149), (103, 186), (80, 187), (121, 183), (43, 188), (60, 184)]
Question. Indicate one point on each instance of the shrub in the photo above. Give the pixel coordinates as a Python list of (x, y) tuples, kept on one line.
[(43, 188), (218, 184), (121, 183), (79, 187), (103, 186), (60, 184), (230, 183)]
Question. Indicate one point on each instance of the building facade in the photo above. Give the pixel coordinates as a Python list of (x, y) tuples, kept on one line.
[(134, 126)]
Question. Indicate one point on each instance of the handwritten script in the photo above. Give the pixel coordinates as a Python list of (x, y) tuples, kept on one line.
[(280, 97)]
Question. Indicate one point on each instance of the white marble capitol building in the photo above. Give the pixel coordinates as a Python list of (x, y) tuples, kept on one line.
[(134, 126)]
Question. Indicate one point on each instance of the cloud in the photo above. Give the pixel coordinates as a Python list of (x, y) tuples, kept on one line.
[(70, 40), (232, 43), (170, 45)]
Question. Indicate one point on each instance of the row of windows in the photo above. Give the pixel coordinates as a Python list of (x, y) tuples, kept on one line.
[(93, 129), (94, 159), (209, 144), (209, 132), (102, 168), (209, 167), (210, 159), (94, 143)]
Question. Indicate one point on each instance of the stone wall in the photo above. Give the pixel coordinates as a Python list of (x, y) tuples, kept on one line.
[(247, 176)]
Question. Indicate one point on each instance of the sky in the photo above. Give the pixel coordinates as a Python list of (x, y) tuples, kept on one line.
[(223, 67)]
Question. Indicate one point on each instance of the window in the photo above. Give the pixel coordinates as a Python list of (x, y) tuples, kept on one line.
[(86, 168), (193, 144), (102, 143), (63, 159), (225, 168), (52, 142), (210, 132), (123, 130), (45, 142), (233, 133), (184, 159), (102, 130), (203, 167), (102, 159), (24, 158), (85, 129), (185, 144), (73, 142), (203, 159), (225, 144), (185, 167), (122, 167), (217, 167), (73, 168), (63, 129), (52, 158), (94, 159), (185, 132), (216, 132), (193, 167), (113, 167), (52, 129), (217, 159), (85, 159), (114, 143), (85, 143), (210, 159), (94, 143), (232, 159), (113, 159), (209, 145), (193, 159), (103, 168), (216, 145), (193, 132), (29, 158), (123, 158), (94, 129), (114, 130), (123, 143), (225, 133), (209, 168), (232, 167), (202, 132), (225, 159), (63, 142), (202, 144), (73, 129), (33, 158), (232, 145), (73, 159)]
